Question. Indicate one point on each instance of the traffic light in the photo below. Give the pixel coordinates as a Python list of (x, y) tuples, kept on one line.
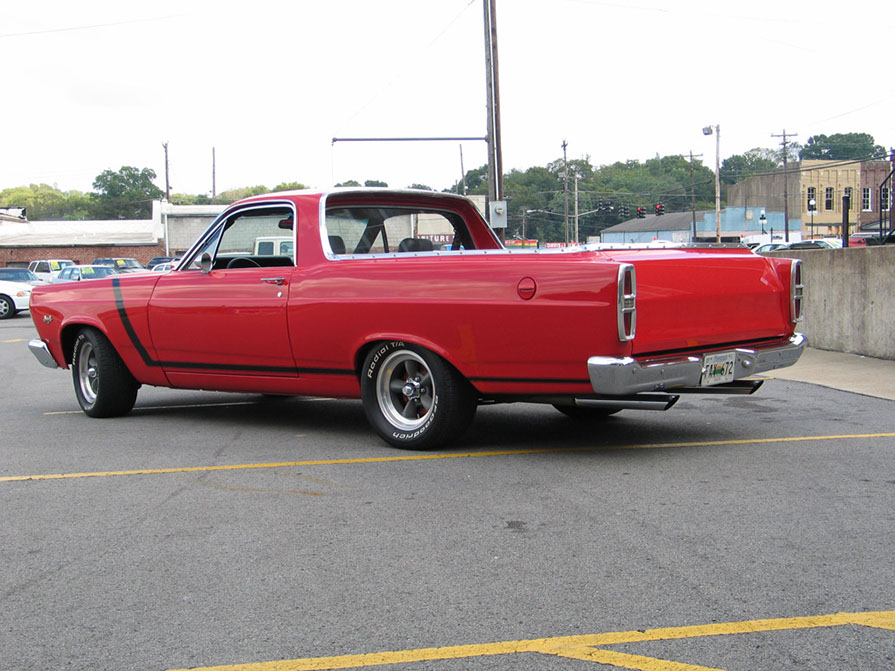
[(660, 210), (624, 211), (641, 213)]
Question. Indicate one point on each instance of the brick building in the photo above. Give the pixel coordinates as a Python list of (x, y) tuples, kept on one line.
[(171, 230)]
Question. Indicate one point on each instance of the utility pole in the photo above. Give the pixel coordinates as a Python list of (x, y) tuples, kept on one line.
[(462, 184), (167, 180), (214, 188), (693, 192), (495, 153), (785, 184), (576, 208), (565, 191)]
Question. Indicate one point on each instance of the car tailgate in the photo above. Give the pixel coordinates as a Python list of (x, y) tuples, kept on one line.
[(693, 298)]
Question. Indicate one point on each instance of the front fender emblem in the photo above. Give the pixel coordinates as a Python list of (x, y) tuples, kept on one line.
[(48, 319)]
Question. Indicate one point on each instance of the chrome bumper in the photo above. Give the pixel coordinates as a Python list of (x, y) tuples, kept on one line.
[(627, 376), (40, 350)]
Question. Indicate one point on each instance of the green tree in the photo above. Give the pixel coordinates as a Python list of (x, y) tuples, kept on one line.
[(232, 195), (476, 181), (375, 183), (755, 161), (126, 194), (44, 202), (842, 147), (290, 186)]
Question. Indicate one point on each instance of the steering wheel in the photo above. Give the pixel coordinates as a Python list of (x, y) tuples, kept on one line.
[(243, 262)]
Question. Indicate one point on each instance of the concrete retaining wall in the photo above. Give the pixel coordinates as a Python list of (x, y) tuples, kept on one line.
[(849, 299)]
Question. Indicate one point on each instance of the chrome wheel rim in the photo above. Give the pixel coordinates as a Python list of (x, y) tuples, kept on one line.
[(4, 308), (405, 390), (88, 377)]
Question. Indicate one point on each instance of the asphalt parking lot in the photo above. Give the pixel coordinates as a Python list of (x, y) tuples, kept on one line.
[(229, 531)]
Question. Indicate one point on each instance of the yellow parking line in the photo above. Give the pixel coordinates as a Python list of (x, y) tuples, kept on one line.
[(456, 455), (13, 340), (581, 647)]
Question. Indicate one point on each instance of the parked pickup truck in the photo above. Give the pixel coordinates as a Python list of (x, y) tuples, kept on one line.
[(368, 306)]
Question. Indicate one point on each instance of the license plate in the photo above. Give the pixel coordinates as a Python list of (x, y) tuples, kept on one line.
[(718, 368)]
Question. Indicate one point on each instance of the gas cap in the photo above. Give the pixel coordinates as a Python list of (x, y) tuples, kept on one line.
[(526, 288)]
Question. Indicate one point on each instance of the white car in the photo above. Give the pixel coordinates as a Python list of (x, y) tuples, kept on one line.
[(47, 269), (165, 267), (86, 272), (14, 296)]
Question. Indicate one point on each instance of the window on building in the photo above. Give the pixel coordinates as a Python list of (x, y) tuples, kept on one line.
[(865, 199), (828, 198), (812, 199), (884, 198), (848, 192)]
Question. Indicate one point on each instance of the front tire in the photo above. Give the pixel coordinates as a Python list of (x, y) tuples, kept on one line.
[(7, 308), (414, 399), (104, 386)]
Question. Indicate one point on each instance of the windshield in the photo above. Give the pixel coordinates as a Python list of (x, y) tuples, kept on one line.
[(94, 272), (17, 275)]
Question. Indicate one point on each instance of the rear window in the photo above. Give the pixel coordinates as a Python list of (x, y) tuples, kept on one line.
[(387, 230)]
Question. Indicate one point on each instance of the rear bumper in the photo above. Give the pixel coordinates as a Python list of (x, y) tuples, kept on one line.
[(626, 376), (40, 350)]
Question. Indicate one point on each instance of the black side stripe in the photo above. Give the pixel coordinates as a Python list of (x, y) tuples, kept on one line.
[(153, 363)]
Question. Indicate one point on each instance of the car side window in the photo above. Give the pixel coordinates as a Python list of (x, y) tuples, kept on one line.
[(259, 236)]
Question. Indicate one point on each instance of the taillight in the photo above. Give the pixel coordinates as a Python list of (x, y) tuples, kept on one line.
[(627, 302), (796, 290)]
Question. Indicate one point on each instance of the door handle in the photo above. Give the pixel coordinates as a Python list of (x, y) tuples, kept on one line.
[(279, 281)]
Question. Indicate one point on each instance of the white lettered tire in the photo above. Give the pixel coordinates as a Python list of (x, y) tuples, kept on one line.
[(413, 398)]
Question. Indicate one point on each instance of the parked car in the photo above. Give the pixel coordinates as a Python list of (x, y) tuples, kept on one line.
[(14, 297), (816, 243), (46, 269), (367, 308), (165, 267), (20, 275), (155, 260), (123, 265), (769, 247), (811, 244), (85, 272)]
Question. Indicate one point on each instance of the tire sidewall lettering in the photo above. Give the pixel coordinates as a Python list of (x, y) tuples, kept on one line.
[(383, 350), (433, 411), (76, 350)]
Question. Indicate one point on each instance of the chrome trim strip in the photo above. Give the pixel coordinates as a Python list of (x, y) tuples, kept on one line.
[(626, 302), (796, 291), (42, 353), (625, 376)]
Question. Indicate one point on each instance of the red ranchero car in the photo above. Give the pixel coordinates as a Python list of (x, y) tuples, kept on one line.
[(407, 300)]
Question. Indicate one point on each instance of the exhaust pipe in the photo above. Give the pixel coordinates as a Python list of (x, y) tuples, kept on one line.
[(657, 402)]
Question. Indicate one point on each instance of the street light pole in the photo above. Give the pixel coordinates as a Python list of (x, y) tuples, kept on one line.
[(717, 131)]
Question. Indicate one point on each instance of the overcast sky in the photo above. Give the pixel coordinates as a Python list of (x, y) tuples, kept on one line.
[(90, 86)]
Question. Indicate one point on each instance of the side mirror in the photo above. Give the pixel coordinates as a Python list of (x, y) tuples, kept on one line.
[(205, 264)]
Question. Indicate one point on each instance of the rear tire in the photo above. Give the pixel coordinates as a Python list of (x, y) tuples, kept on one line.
[(104, 386), (414, 399)]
